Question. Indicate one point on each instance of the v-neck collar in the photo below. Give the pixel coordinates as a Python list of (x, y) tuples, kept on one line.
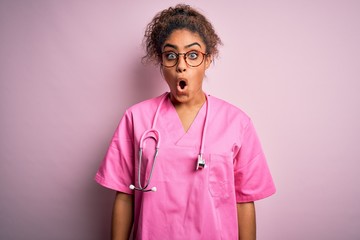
[(174, 126)]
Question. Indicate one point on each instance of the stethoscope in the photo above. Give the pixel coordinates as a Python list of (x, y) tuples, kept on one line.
[(154, 134)]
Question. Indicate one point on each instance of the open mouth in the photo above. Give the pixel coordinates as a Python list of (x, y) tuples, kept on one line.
[(182, 84)]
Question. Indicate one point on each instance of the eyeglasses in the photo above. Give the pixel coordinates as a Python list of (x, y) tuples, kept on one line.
[(192, 58)]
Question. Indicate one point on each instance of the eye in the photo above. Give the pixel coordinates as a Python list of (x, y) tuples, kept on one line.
[(170, 56), (192, 55)]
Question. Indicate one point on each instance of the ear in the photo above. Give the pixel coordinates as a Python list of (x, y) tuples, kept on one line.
[(208, 61), (162, 71)]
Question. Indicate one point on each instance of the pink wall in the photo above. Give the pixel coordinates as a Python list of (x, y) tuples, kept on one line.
[(70, 68)]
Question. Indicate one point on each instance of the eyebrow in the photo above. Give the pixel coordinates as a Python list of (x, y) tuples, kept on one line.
[(187, 46)]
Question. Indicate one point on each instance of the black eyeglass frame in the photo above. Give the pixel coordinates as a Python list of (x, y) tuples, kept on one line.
[(184, 54)]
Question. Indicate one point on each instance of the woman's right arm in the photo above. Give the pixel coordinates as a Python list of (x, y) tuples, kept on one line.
[(122, 217)]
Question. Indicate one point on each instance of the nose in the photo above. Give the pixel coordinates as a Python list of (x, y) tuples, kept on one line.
[(181, 65)]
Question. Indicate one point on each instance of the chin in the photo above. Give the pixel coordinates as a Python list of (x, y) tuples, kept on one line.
[(180, 98)]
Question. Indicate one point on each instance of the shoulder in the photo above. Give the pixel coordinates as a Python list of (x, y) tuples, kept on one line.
[(225, 109)]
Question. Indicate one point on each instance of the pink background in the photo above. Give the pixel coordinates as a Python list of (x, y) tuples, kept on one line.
[(70, 68)]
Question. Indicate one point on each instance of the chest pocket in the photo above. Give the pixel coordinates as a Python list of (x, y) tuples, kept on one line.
[(221, 175)]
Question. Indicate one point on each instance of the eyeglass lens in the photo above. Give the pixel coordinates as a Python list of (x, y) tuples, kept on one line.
[(192, 58)]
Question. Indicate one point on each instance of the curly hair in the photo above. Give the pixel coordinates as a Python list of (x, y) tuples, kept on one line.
[(179, 17)]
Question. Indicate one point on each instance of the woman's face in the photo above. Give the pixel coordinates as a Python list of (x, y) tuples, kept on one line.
[(185, 81)]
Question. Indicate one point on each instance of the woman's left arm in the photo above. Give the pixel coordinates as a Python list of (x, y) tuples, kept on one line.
[(246, 221)]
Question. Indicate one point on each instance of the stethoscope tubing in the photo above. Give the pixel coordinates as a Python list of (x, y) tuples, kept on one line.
[(156, 137), (144, 137)]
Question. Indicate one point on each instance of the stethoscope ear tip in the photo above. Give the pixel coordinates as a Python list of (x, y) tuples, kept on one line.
[(132, 187)]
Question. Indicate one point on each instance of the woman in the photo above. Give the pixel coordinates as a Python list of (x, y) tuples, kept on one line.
[(209, 168)]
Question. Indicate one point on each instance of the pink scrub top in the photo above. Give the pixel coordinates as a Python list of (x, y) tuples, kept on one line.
[(188, 203)]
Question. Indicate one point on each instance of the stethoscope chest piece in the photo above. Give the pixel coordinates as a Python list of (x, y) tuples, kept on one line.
[(200, 162)]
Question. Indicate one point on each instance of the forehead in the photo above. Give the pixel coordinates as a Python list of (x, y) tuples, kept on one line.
[(182, 38)]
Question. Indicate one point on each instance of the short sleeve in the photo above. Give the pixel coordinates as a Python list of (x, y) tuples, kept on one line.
[(253, 180), (116, 170)]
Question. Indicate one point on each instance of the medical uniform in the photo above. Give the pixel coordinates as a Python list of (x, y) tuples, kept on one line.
[(188, 203)]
